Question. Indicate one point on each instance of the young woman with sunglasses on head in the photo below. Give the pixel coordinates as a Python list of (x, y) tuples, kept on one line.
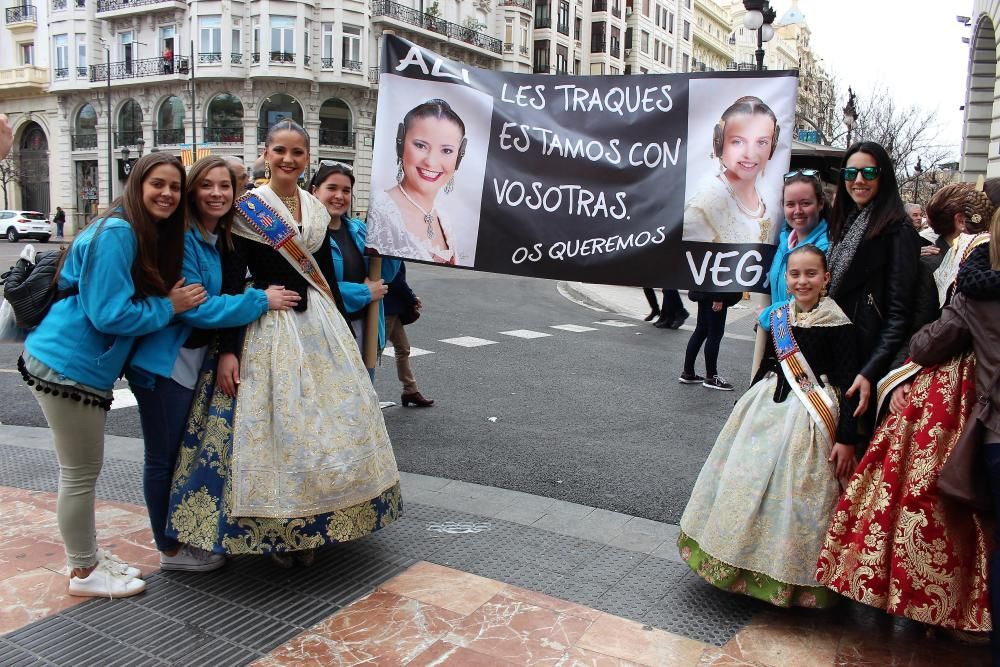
[(806, 215), (164, 369), (874, 255), (333, 185), (301, 458), (756, 518), (896, 542), (121, 279)]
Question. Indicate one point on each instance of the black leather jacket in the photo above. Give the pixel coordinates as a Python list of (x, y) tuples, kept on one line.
[(878, 293)]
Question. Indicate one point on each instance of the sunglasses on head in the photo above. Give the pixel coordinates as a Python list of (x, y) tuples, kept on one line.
[(334, 163), (808, 173), (867, 173)]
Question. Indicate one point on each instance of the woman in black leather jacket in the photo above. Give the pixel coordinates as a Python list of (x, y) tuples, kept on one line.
[(874, 256)]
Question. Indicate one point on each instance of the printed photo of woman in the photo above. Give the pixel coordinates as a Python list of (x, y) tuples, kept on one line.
[(729, 208), (405, 220)]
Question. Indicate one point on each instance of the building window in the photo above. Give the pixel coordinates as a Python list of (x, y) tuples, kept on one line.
[(81, 55), (670, 57), (644, 42), (562, 60), (508, 34), (577, 28), (645, 8), (687, 30), (327, 45), (282, 38), (613, 70), (167, 35), (525, 39), (563, 25), (576, 67), (27, 53), (543, 19), (210, 34), (61, 47), (236, 46), (685, 61), (541, 62), (352, 44), (616, 44), (255, 22), (597, 68), (670, 23)]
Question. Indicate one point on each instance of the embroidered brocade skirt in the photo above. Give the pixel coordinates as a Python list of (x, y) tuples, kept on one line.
[(894, 542), (754, 523)]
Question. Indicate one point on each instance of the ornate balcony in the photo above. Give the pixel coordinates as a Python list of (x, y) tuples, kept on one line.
[(339, 138), (135, 69), (223, 135), (81, 72), (211, 58), (327, 63), (598, 45), (171, 137), (21, 18), (127, 137), (61, 72), (523, 4), (353, 65), (282, 57), (236, 58), (404, 14), (84, 142), (543, 21), (112, 8), (58, 4), (373, 73)]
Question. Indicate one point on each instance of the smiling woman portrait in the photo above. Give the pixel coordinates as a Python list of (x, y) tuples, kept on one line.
[(404, 220)]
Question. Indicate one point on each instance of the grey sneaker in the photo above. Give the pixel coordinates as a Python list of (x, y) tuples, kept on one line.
[(717, 382), (192, 559), (690, 378)]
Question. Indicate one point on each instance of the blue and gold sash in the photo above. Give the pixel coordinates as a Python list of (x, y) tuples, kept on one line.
[(283, 237), (823, 410)]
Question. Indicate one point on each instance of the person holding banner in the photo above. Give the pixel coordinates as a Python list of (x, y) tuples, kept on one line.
[(806, 213), (730, 209), (333, 184), (755, 521), (404, 220), (301, 458)]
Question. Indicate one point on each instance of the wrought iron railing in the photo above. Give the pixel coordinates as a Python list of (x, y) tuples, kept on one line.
[(81, 72), (305, 60), (21, 14), (223, 135), (58, 4), (453, 30), (598, 46), (127, 137), (508, 47), (83, 142), (373, 73), (255, 57), (524, 50), (115, 5), (599, 6), (327, 63), (336, 138), (61, 72), (616, 50), (353, 65), (282, 57), (523, 4), (543, 21), (236, 58), (169, 137), (563, 28), (539, 69), (209, 58), (132, 69)]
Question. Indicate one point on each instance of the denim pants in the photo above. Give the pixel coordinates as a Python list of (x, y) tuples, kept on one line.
[(163, 413), (991, 456)]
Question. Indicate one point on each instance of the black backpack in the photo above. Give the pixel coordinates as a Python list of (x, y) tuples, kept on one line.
[(31, 289)]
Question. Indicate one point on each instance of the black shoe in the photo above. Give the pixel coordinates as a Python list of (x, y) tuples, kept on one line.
[(679, 320), (690, 378), (665, 320), (717, 382), (652, 314)]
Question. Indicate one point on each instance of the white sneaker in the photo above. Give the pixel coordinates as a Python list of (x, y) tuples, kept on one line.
[(192, 559), (116, 563), (106, 581)]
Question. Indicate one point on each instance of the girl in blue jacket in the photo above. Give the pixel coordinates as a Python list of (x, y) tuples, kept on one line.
[(164, 370), (123, 279), (333, 184)]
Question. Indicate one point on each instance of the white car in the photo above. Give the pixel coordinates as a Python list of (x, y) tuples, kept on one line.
[(16, 225)]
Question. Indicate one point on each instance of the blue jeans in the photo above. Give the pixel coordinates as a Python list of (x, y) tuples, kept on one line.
[(991, 456), (163, 413)]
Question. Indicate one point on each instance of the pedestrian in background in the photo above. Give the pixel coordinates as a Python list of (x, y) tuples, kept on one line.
[(757, 516), (6, 136), (240, 172), (708, 331), (60, 219), (122, 279), (403, 307), (672, 313)]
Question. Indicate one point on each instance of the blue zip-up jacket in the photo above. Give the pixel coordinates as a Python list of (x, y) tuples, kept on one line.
[(157, 352), (356, 295), (776, 276), (87, 337)]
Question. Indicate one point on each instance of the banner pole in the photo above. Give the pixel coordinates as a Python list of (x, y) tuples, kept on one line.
[(371, 317)]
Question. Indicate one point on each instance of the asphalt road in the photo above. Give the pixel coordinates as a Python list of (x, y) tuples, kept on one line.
[(594, 417)]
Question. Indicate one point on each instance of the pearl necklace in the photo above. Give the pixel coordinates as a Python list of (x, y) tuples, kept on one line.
[(761, 208), (428, 215)]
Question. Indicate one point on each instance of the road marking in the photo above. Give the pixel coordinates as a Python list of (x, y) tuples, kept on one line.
[(124, 398), (576, 328), (468, 341), (525, 333), (414, 351), (616, 323)]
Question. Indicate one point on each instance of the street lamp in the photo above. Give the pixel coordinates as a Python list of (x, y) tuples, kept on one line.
[(140, 143), (917, 170), (850, 115), (760, 17), (126, 167)]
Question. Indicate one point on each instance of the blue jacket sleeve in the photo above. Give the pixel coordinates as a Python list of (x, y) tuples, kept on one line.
[(356, 296), (223, 311), (390, 267), (107, 291)]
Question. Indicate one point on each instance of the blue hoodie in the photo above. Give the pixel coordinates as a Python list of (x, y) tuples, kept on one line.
[(87, 337), (156, 353), (776, 276)]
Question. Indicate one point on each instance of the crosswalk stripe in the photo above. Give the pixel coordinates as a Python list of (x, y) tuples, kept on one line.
[(414, 351), (468, 341), (124, 398), (616, 323), (525, 333), (576, 328)]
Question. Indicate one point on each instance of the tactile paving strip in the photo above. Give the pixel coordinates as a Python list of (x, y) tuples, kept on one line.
[(240, 613)]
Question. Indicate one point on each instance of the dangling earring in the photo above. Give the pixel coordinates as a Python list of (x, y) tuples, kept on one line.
[(450, 187), (399, 172), (267, 170)]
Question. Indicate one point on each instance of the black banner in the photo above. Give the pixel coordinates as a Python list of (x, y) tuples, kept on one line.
[(667, 180)]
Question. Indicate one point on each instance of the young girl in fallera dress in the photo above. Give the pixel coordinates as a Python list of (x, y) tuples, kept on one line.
[(756, 518)]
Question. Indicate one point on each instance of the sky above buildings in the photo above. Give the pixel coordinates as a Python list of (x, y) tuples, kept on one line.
[(913, 47)]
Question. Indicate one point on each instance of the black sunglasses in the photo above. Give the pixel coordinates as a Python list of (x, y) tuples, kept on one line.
[(808, 173), (867, 173)]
